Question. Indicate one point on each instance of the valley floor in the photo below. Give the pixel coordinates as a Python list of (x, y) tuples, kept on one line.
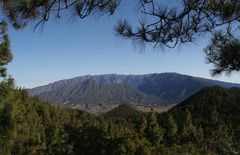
[(98, 109)]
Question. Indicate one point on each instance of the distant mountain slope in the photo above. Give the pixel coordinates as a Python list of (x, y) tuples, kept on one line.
[(92, 92), (131, 80), (167, 88), (174, 88)]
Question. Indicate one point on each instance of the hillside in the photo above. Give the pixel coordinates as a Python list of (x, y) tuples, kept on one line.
[(106, 91), (212, 104), (123, 111), (131, 80), (91, 92), (208, 120), (207, 123), (174, 88)]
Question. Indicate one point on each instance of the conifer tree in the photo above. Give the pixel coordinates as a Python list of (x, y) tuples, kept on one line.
[(171, 130), (163, 26), (188, 132), (153, 131), (5, 53)]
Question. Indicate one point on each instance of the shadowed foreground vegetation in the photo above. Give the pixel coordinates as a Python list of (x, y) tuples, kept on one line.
[(206, 123)]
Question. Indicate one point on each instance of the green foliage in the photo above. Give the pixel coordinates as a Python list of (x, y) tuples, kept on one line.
[(164, 26), (153, 132), (224, 53), (21, 12), (206, 123), (5, 53)]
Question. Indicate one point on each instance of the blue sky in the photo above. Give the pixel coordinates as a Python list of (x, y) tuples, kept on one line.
[(70, 48)]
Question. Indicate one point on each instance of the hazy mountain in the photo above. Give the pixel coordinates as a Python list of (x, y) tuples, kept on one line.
[(92, 92), (165, 88), (131, 80), (174, 88)]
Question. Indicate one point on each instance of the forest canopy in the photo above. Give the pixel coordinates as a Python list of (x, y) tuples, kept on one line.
[(206, 123)]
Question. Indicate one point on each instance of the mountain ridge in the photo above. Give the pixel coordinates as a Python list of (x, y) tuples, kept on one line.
[(106, 89), (79, 78), (92, 92)]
